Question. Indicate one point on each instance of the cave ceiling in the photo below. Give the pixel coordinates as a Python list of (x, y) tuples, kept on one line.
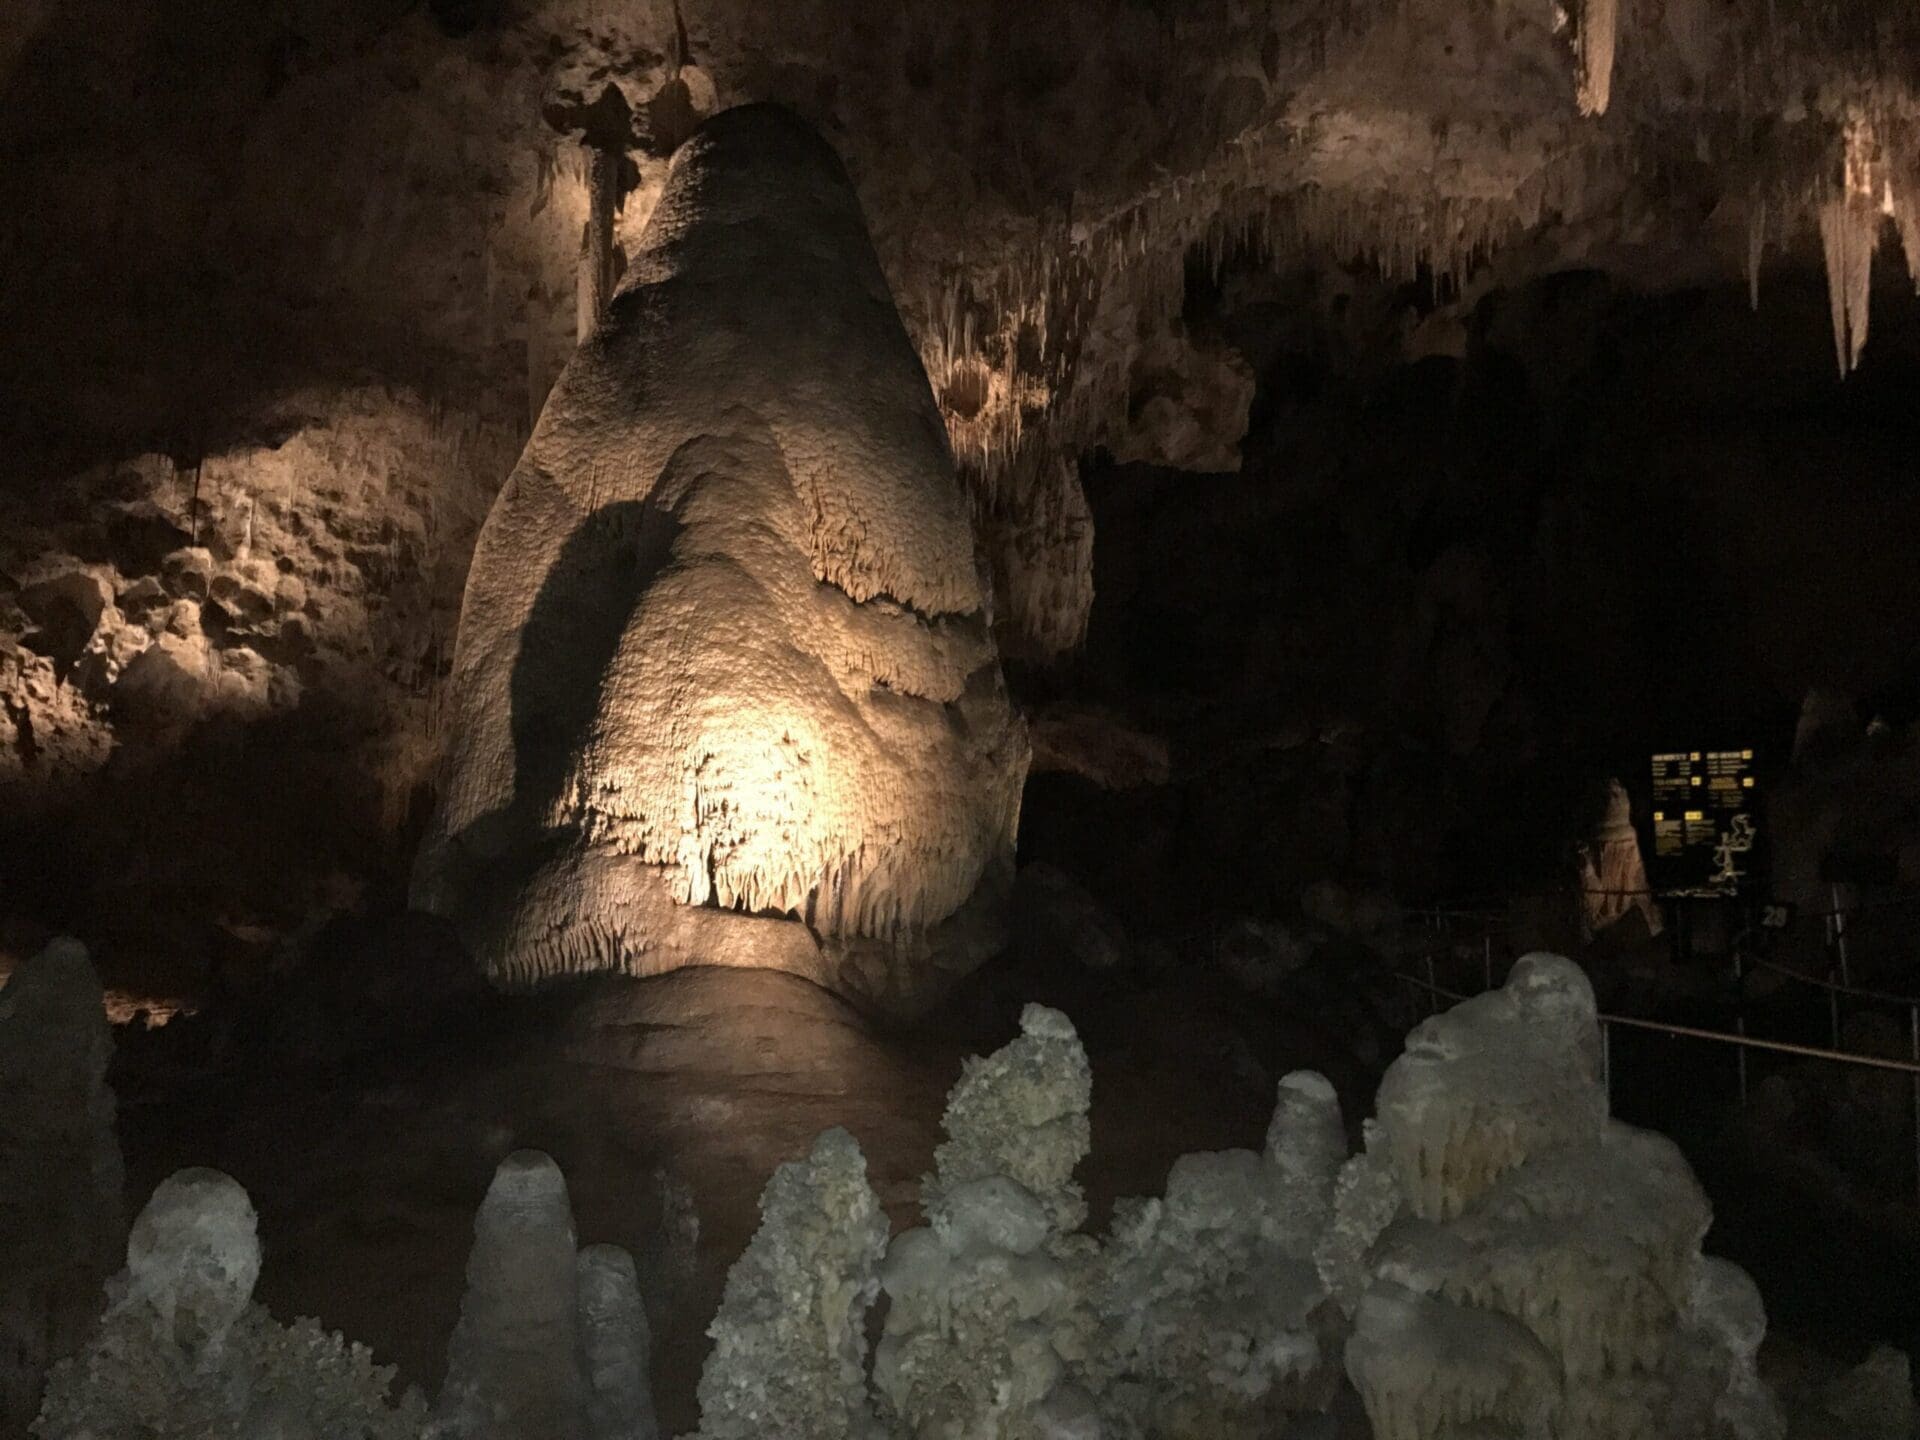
[(205, 206)]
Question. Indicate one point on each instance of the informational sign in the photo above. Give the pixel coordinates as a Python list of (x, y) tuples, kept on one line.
[(1705, 822)]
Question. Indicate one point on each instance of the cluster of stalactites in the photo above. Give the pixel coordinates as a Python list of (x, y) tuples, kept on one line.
[(1875, 177), (1130, 266), (1039, 544)]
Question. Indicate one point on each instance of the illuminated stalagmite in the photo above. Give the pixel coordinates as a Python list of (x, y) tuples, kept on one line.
[(1613, 877), (724, 690), (1532, 1266)]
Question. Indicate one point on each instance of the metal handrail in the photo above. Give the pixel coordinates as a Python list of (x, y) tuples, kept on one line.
[(1845, 1057), (1815, 1052), (1906, 1002)]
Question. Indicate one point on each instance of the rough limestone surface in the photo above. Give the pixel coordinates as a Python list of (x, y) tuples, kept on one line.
[(1021, 1112), (1523, 1261), (988, 1318), (513, 1364), (725, 688), (790, 1342), (615, 1346), (183, 1354), (1214, 1320), (61, 1221)]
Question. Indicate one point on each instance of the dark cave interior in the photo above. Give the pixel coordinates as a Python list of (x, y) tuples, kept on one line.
[(1341, 446)]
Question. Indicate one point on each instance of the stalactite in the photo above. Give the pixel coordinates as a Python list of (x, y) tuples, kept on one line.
[(1599, 21), (1902, 142), (1847, 228)]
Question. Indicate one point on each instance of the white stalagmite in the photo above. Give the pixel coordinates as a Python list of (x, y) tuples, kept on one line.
[(61, 1215), (614, 1347), (1489, 1082), (988, 1314), (183, 1354), (724, 645), (1306, 1147), (789, 1352), (192, 1259), (1213, 1318), (1021, 1112), (1534, 1265), (513, 1364), (1599, 27)]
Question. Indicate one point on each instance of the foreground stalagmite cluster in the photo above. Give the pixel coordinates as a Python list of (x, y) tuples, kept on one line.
[(1501, 1259), (724, 687), (552, 1341)]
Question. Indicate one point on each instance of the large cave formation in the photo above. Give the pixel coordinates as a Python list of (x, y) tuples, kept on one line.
[(1497, 332), (1380, 424)]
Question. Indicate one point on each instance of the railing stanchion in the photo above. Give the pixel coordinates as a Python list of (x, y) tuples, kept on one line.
[(1433, 990), (1486, 961), (1840, 936), (1606, 1061), (1913, 1021), (1740, 1016)]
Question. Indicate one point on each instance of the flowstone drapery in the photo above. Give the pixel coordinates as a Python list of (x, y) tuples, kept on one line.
[(725, 690)]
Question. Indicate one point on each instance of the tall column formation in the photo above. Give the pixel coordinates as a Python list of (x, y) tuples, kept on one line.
[(61, 1221), (725, 690)]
